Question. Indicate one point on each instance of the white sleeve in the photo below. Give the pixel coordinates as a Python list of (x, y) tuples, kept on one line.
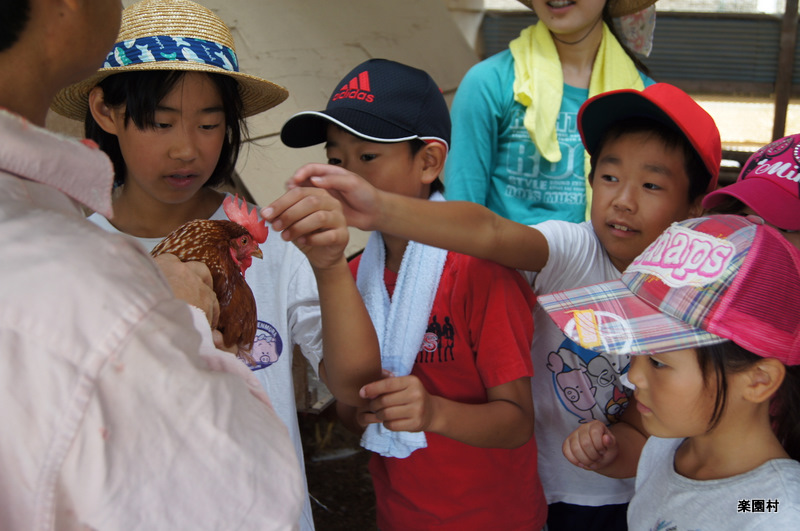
[(304, 313)]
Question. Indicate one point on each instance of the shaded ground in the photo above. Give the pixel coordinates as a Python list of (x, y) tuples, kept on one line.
[(338, 479)]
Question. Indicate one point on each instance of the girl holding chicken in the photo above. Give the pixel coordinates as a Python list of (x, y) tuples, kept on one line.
[(168, 107)]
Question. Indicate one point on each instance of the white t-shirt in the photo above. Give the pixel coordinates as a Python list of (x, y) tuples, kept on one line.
[(288, 310), (767, 497), (572, 385)]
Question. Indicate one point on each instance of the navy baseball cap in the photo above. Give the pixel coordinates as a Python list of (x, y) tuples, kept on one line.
[(378, 101)]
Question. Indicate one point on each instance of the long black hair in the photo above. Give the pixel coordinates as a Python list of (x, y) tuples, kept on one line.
[(140, 93), (717, 361), (12, 23)]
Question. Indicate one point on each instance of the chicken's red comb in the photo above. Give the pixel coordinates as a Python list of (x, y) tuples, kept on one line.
[(247, 219)]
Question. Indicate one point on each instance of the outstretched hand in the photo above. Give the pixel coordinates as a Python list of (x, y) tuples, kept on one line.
[(313, 219), (591, 446), (360, 200)]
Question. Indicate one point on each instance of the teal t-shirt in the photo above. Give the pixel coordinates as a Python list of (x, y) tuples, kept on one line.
[(493, 161)]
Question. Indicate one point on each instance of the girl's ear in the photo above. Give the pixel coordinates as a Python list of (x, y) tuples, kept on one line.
[(433, 157), (763, 380), (696, 208), (102, 113)]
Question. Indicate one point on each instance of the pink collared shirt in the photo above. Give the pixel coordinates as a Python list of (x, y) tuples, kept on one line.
[(111, 417)]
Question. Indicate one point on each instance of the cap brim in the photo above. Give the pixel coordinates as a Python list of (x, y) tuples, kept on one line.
[(597, 115), (769, 200), (308, 128), (609, 318)]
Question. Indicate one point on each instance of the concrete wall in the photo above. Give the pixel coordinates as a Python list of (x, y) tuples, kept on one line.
[(307, 46)]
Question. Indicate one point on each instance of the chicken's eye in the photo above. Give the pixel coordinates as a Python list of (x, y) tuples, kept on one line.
[(244, 240)]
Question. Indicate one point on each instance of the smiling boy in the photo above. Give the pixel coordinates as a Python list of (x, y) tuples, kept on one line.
[(654, 154)]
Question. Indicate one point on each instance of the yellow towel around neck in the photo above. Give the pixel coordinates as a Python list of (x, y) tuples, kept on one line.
[(539, 84)]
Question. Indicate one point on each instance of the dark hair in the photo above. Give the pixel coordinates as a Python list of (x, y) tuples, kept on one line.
[(141, 92), (15, 17), (416, 145), (717, 361), (698, 174), (640, 66)]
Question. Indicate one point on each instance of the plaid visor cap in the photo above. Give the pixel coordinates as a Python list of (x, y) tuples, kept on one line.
[(702, 282)]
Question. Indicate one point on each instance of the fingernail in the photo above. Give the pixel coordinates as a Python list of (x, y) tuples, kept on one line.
[(267, 212)]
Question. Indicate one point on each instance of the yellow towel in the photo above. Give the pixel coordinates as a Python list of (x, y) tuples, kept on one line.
[(539, 84)]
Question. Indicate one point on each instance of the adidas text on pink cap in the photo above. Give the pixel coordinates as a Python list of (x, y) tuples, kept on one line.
[(769, 183), (703, 281)]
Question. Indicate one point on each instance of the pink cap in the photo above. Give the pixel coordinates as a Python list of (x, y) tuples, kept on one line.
[(703, 281), (769, 183)]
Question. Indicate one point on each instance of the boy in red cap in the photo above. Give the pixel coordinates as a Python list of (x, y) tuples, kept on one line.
[(654, 154), (452, 426), (768, 187)]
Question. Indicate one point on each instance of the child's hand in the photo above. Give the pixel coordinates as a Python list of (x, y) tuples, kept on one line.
[(401, 403), (314, 221), (591, 446), (360, 200)]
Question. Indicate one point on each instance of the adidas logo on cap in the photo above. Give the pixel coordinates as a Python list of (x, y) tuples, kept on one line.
[(356, 89)]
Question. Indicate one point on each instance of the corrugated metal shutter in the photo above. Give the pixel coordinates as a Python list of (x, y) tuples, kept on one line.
[(697, 51)]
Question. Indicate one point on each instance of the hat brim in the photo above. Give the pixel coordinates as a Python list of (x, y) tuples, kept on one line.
[(620, 8), (309, 128), (769, 200), (609, 318), (257, 94)]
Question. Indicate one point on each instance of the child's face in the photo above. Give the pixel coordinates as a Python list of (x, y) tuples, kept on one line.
[(386, 166), (672, 395), (171, 162), (569, 20), (639, 188)]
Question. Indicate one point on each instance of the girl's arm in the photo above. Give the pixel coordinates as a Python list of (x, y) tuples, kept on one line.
[(463, 227), (351, 354), (609, 450)]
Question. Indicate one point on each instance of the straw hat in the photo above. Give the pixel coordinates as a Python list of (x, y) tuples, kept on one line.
[(617, 8), (172, 35)]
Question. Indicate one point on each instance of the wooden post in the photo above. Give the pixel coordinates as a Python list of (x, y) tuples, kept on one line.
[(783, 79)]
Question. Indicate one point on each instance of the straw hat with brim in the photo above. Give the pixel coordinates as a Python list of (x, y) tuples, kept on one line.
[(616, 8), (172, 35)]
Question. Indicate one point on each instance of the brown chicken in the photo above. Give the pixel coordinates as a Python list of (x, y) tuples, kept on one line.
[(227, 248)]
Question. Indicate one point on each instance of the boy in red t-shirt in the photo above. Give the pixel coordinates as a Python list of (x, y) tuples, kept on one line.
[(452, 423)]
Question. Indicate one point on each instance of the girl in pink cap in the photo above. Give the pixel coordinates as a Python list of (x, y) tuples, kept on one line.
[(711, 314), (768, 187)]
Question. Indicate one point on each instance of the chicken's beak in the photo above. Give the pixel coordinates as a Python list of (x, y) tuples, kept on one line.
[(257, 253)]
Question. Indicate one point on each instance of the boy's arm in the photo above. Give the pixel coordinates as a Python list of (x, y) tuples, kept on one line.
[(403, 404), (609, 450), (464, 227), (350, 345)]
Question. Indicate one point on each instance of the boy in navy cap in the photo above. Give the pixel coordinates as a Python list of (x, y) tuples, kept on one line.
[(451, 425)]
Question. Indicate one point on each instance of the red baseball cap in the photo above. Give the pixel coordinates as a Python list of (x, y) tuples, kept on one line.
[(702, 282), (663, 103), (769, 183)]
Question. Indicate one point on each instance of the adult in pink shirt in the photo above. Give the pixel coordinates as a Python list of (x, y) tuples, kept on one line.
[(113, 416)]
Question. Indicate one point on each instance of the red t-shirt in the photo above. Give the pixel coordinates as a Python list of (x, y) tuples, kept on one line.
[(479, 336)]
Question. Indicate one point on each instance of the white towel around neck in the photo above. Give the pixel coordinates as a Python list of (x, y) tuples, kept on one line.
[(400, 323)]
